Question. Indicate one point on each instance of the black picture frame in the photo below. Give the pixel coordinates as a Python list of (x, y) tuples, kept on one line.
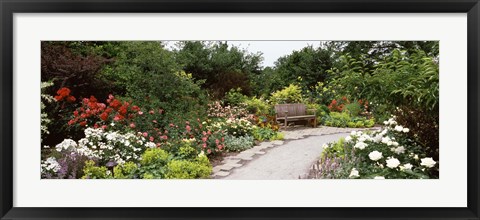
[(9, 7)]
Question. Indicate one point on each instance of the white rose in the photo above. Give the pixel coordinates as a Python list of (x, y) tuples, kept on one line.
[(399, 128), (389, 143), (407, 166), (399, 150), (406, 130), (428, 162), (379, 178), (360, 145), (385, 140), (348, 139), (375, 155), (385, 122), (353, 133), (393, 162), (325, 146), (354, 173)]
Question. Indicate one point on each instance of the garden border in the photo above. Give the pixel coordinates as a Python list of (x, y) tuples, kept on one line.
[(9, 7)]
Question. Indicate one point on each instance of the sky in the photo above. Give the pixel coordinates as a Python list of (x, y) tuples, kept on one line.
[(272, 50)]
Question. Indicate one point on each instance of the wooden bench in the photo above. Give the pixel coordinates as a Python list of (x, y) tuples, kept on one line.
[(294, 112)]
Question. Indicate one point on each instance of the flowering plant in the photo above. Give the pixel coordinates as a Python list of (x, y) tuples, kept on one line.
[(388, 153)]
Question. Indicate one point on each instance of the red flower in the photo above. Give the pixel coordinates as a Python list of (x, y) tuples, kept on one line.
[(71, 99), (104, 116), (75, 113), (118, 117), (135, 108), (83, 123), (123, 110), (115, 104)]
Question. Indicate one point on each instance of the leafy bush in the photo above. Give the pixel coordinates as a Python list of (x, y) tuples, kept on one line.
[(258, 106), (184, 169), (233, 143), (343, 119), (354, 109), (234, 97), (153, 163), (95, 172), (126, 171), (262, 134), (290, 94), (388, 153)]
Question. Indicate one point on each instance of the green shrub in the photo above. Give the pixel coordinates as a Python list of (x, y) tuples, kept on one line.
[(184, 169), (125, 171), (258, 106), (94, 172), (290, 94), (241, 143), (186, 152), (263, 134), (234, 97), (343, 119), (153, 163), (354, 109)]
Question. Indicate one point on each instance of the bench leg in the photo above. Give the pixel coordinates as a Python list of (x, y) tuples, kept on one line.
[(286, 123)]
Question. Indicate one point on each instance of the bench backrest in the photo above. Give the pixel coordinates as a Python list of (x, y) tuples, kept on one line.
[(296, 109)]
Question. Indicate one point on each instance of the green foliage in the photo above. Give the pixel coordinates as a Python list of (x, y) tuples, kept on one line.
[(184, 169), (94, 172), (262, 134), (354, 109), (151, 77), (125, 171), (45, 98), (343, 119), (223, 67), (306, 67), (290, 94), (336, 149), (186, 151), (153, 163), (258, 106), (242, 143), (234, 97)]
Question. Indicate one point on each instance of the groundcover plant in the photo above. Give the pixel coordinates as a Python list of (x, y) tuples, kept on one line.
[(206, 109)]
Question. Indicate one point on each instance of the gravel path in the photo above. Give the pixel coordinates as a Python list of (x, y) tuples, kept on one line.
[(287, 161)]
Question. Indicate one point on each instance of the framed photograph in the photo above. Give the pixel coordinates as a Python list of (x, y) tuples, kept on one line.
[(230, 109)]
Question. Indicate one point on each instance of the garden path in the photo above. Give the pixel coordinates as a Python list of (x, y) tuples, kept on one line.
[(287, 159)]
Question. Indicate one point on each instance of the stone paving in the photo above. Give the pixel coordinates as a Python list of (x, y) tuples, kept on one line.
[(230, 163)]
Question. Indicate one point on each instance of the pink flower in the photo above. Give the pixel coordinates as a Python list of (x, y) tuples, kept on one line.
[(188, 128), (204, 146), (217, 141), (204, 139), (209, 151), (151, 138), (151, 112), (171, 125), (140, 112), (220, 147), (164, 137), (132, 125), (145, 134), (104, 126), (155, 121)]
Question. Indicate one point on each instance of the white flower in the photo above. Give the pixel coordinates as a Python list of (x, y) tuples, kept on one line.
[(393, 162), (389, 143), (399, 128), (201, 154), (385, 122), (375, 155), (379, 178), (399, 150), (428, 162), (377, 138), (354, 173), (406, 166), (348, 139), (415, 157), (406, 130), (385, 140), (325, 146), (395, 143), (112, 124), (353, 133), (360, 145)]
